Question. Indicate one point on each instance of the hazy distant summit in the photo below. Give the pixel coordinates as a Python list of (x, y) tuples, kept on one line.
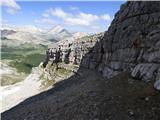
[(35, 35)]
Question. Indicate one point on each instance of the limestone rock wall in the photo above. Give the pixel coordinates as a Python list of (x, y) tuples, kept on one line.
[(72, 51), (131, 43)]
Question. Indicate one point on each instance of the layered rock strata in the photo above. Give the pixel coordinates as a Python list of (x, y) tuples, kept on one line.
[(132, 43), (72, 51)]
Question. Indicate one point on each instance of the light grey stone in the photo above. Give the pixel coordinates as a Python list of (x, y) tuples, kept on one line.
[(158, 74), (145, 71), (157, 85), (153, 56)]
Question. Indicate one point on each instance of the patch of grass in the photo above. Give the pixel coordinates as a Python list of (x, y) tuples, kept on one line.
[(21, 67), (42, 76), (34, 59), (25, 63), (24, 57), (54, 74), (64, 72), (47, 83), (11, 79), (10, 56), (61, 70)]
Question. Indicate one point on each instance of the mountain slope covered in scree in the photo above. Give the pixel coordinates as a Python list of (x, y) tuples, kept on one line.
[(109, 84)]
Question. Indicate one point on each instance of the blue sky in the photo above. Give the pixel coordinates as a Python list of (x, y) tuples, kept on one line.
[(76, 16)]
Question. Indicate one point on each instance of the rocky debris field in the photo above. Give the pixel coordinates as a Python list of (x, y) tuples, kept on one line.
[(88, 96)]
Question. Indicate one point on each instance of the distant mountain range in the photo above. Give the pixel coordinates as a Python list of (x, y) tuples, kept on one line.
[(35, 35)]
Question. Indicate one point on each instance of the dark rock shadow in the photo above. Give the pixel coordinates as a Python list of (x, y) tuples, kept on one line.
[(76, 79)]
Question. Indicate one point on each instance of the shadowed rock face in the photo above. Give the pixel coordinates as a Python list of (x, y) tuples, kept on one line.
[(132, 43)]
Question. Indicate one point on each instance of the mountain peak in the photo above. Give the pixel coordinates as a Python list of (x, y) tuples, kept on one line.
[(59, 32), (57, 29)]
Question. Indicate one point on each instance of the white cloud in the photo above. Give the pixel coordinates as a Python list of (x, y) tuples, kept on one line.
[(58, 12), (88, 17), (76, 21), (10, 4), (90, 21), (13, 7), (106, 17), (45, 21), (81, 18)]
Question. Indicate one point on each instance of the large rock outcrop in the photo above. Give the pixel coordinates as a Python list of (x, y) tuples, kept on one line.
[(132, 43), (72, 51)]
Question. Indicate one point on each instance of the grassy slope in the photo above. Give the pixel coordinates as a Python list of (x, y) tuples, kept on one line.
[(54, 74), (24, 57)]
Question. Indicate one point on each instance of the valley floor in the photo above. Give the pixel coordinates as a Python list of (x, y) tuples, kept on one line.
[(87, 96)]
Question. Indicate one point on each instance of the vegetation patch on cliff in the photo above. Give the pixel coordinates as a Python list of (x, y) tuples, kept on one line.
[(51, 74)]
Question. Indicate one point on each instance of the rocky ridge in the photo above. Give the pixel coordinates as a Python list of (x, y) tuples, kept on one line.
[(73, 50), (131, 43)]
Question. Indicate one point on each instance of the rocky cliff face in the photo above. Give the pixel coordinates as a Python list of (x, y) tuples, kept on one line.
[(132, 43), (72, 51)]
